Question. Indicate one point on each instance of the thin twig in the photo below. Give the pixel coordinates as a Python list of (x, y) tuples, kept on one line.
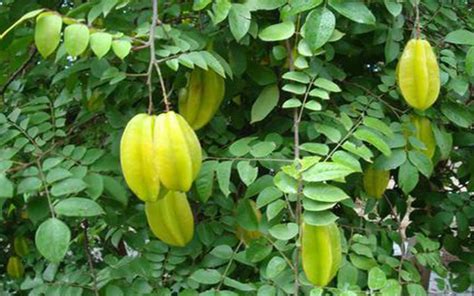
[(288, 261), (45, 185), (305, 98), (85, 226), (18, 71), (227, 268), (249, 159)]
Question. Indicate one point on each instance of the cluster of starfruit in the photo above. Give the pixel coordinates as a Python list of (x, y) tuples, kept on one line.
[(160, 157), (15, 268)]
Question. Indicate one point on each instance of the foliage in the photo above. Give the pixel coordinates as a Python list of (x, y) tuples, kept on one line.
[(311, 101)]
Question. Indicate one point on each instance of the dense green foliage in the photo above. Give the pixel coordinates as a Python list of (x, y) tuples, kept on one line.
[(311, 100)]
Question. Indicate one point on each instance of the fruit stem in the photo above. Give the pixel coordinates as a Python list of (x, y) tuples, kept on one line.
[(417, 22)]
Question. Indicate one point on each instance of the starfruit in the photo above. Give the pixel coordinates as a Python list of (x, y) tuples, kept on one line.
[(249, 235), (424, 133), (418, 74), (177, 151), (48, 32), (15, 267), (375, 181), (201, 98), (138, 157), (20, 245), (171, 219), (321, 252)]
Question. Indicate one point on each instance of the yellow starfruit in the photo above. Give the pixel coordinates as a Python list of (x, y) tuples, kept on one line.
[(15, 267), (201, 98), (138, 157), (418, 74), (321, 252), (171, 219), (424, 133), (375, 181), (177, 151), (20, 245)]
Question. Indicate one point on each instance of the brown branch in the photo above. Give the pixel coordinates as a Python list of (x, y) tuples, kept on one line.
[(33, 52), (85, 226)]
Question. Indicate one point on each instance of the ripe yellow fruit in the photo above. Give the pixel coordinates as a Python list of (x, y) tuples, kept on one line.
[(418, 74), (375, 181), (138, 157), (321, 252), (15, 268), (249, 235), (200, 100), (177, 151), (171, 219), (424, 133)]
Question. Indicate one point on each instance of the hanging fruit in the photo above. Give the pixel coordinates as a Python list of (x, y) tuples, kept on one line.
[(48, 32), (138, 157), (177, 150), (321, 252), (424, 133), (418, 74), (20, 245), (171, 219), (15, 267), (249, 235), (375, 181), (201, 98)]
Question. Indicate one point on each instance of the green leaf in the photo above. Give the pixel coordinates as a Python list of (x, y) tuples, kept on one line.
[(223, 252), (220, 11), (316, 148), (392, 288), (78, 207), (278, 32), (421, 162), (327, 85), (298, 6), (6, 187), (407, 177), (121, 48), (294, 88), (325, 171), (47, 33), (246, 216), (115, 190), (347, 159), (29, 184), (101, 43), (223, 172), (378, 125), (51, 162), (52, 239), (267, 196), (396, 159), (25, 17), (347, 275), (470, 62), (393, 7), (318, 28), (332, 133), (416, 290), (239, 20), (264, 4), (324, 192), (200, 4), (444, 141), (241, 147), (205, 180), (313, 105), (262, 149), (206, 276), (461, 36), (265, 103), (300, 77), (68, 186), (372, 138), (377, 279), (275, 266), (319, 93), (275, 208), (291, 103), (458, 114), (354, 10), (76, 39), (95, 185), (317, 206), (284, 232), (319, 218), (247, 173), (285, 183)]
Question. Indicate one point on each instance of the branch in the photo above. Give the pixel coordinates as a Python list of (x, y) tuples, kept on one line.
[(18, 71), (85, 226)]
